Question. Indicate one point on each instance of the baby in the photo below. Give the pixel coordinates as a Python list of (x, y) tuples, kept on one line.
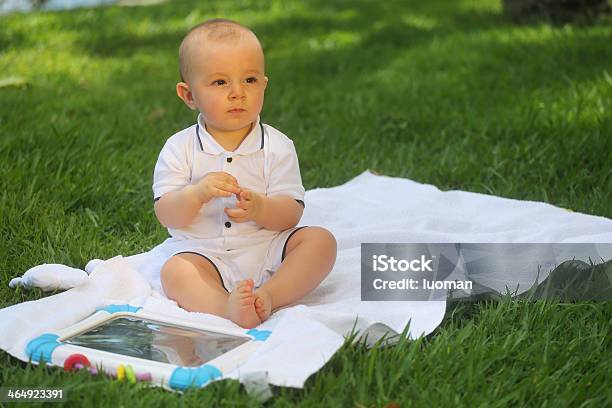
[(229, 189)]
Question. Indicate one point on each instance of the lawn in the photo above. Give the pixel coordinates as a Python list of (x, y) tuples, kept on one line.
[(448, 93)]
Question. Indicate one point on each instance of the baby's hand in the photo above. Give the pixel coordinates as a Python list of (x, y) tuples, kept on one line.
[(217, 184), (248, 206)]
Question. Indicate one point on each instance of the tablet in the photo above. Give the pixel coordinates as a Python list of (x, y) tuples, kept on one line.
[(170, 352)]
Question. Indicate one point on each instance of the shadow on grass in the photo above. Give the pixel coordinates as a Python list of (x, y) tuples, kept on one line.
[(394, 37), (437, 79)]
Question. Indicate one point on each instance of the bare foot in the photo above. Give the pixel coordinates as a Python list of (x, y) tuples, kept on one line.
[(263, 304), (240, 305)]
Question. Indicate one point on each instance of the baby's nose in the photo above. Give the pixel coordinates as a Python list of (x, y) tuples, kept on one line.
[(236, 91)]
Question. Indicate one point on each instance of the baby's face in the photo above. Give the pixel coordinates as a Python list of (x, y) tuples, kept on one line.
[(227, 83)]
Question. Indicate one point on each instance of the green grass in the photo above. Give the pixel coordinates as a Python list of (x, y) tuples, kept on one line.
[(448, 93)]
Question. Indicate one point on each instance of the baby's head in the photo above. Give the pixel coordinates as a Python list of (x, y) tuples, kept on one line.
[(222, 74)]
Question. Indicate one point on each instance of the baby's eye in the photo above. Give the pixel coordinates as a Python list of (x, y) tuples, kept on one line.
[(251, 80), (218, 82)]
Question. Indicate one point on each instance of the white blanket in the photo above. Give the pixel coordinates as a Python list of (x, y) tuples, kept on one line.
[(368, 208)]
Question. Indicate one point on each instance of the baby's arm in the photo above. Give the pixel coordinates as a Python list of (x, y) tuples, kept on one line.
[(279, 213), (177, 209), (276, 213)]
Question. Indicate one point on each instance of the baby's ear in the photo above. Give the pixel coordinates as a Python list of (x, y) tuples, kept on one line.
[(183, 92), (265, 79)]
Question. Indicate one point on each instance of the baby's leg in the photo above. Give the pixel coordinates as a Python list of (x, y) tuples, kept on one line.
[(193, 282), (310, 256)]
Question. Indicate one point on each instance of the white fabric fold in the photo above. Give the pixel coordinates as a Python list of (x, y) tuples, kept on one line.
[(50, 277)]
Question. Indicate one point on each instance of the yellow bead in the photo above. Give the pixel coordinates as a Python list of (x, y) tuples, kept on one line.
[(120, 372)]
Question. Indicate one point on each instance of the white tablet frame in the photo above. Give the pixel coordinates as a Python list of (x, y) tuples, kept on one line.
[(51, 348)]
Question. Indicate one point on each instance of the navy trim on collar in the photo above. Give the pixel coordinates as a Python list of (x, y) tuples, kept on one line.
[(198, 135), (262, 134), (200, 139)]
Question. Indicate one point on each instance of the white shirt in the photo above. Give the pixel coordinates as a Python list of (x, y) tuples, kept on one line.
[(265, 162)]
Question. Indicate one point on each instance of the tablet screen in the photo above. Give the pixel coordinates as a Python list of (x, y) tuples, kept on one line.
[(157, 341)]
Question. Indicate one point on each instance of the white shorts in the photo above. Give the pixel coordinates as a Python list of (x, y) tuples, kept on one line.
[(257, 262)]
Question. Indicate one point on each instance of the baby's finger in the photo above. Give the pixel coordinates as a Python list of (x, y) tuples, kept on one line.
[(231, 188), (227, 187), (231, 179), (245, 195), (238, 219), (217, 192), (235, 212), (245, 205)]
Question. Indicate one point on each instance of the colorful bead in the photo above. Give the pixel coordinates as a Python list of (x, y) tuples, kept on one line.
[(144, 377), (129, 373), (73, 360), (120, 372)]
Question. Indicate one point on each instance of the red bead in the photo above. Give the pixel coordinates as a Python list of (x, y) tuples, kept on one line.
[(73, 359)]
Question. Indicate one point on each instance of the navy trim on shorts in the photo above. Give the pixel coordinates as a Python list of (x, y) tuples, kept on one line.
[(209, 260), (289, 237)]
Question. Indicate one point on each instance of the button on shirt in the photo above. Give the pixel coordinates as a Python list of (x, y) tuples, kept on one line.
[(265, 162)]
